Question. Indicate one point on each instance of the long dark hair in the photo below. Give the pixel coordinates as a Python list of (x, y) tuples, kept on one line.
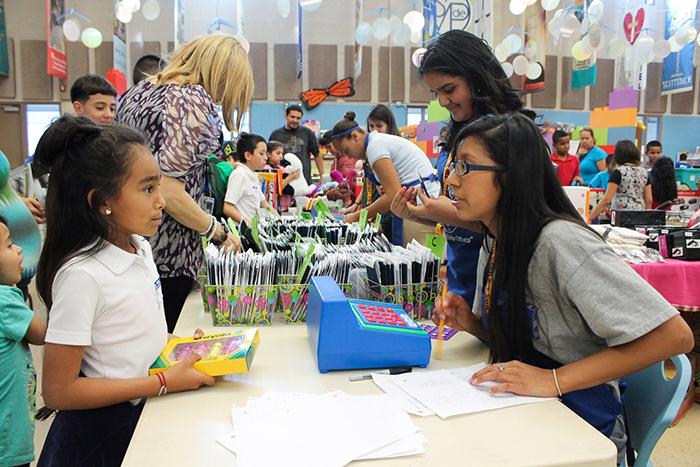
[(86, 160), (382, 113), (663, 180), (531, 197), (460, 53)]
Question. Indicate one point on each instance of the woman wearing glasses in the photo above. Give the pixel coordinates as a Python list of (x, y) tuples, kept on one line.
[(395, 162), (467, 79), (548, 298)]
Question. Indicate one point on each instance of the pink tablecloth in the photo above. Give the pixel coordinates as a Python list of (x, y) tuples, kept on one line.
[(678, 281)]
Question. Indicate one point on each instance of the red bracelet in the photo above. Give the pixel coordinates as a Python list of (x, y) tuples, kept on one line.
[(163, 387)]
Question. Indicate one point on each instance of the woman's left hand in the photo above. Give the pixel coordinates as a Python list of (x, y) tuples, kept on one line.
[(198, 333), (518, 378)]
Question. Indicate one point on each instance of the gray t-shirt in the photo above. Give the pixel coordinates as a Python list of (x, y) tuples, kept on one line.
[(582, 297)]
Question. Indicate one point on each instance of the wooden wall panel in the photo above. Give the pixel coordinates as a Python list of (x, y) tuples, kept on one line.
[(547, 98), (682, 103), (77, 56), (258, 61), (418, 92), (397, 74), (383, 74), (171, 47), (516, 82), (37, 85), (572, 99), (287, 86), (8, 85), (323, 66), (363, 84), (654, 102), (104, 58), (605, 83)]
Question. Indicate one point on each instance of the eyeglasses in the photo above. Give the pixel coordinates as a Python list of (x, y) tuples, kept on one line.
[(463, 168)]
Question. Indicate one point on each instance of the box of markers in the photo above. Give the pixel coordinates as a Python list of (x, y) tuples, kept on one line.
[(222, 354)]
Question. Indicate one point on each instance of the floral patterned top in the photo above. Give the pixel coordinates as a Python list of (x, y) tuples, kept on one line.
[(631, 181), (183, 128)]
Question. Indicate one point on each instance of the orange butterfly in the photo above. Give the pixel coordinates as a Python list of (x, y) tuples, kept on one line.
[(313, 97)]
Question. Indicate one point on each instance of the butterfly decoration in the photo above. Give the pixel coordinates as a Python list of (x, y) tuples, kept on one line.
[(313, 97)]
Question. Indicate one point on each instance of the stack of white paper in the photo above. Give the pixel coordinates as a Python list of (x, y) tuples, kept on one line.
[(446, 392), (323, 430)]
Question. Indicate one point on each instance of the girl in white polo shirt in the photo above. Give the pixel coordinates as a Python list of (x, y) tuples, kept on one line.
[(244, 192), (97, 277)]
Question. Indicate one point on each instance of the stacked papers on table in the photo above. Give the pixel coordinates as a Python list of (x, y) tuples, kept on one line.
[(323, 430), (446, 392)]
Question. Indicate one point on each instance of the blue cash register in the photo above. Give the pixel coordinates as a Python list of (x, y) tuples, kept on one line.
[(348, 334)]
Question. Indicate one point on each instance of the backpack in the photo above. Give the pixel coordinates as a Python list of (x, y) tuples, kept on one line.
[(218, 172)]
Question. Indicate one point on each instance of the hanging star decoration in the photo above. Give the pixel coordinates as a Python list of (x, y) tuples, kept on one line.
[(313, 97)]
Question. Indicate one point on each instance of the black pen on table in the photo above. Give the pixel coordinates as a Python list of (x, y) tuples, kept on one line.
[(390, 371)]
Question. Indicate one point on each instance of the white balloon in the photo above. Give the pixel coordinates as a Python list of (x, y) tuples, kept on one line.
[(507, 69), (310, 5), (533, 70), (401, 35), (579, 52), (661, 48), (616, 47), (594, 35), (517, 7), (681, 36), (283, 8), (417, 56), (549, 5), (674, 44), (692, 34), (644, 45), (381, 28), (151, 10), (124, 13), (71, 29), (91, 38), (513, 43), (570, 26), (595, 11), (586, 46), (132, 5), (697, 40), (502, 52), (554, 27), (243, 41), (395, 22), (520, 64), (415, 20), (529, 2), (416, 37), (531, 50), (363, 33)]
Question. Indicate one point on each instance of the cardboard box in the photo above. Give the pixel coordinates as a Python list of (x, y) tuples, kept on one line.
[(631, 219)]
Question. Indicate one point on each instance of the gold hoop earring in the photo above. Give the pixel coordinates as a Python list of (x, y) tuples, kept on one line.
[(108, 212)]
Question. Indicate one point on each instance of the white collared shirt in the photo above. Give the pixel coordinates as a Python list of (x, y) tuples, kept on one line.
[(244, 191), (110, 303)]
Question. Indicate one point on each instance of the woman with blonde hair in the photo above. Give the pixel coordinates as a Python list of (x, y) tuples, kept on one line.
[(176, 109)]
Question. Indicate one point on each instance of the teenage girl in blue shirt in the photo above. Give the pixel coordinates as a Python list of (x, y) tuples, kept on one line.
[(467, 79)]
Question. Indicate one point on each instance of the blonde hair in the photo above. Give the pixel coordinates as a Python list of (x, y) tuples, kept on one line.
[(220, 65)]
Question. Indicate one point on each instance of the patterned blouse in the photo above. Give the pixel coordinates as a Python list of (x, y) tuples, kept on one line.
[(183, 128), (631, 181)]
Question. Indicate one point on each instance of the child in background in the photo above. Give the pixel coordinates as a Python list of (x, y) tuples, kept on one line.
[(653, 152), (601, 179), (276, 160), (567, 164), (683, 162), (629, 187), (663, 182), (18, 325), (102, 290), (342, 162), (244, 193)]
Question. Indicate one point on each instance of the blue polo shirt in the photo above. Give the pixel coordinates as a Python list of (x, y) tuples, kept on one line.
[(462, 249)]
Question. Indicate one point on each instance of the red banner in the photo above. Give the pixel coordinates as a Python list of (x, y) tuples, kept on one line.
[(55, 43)]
